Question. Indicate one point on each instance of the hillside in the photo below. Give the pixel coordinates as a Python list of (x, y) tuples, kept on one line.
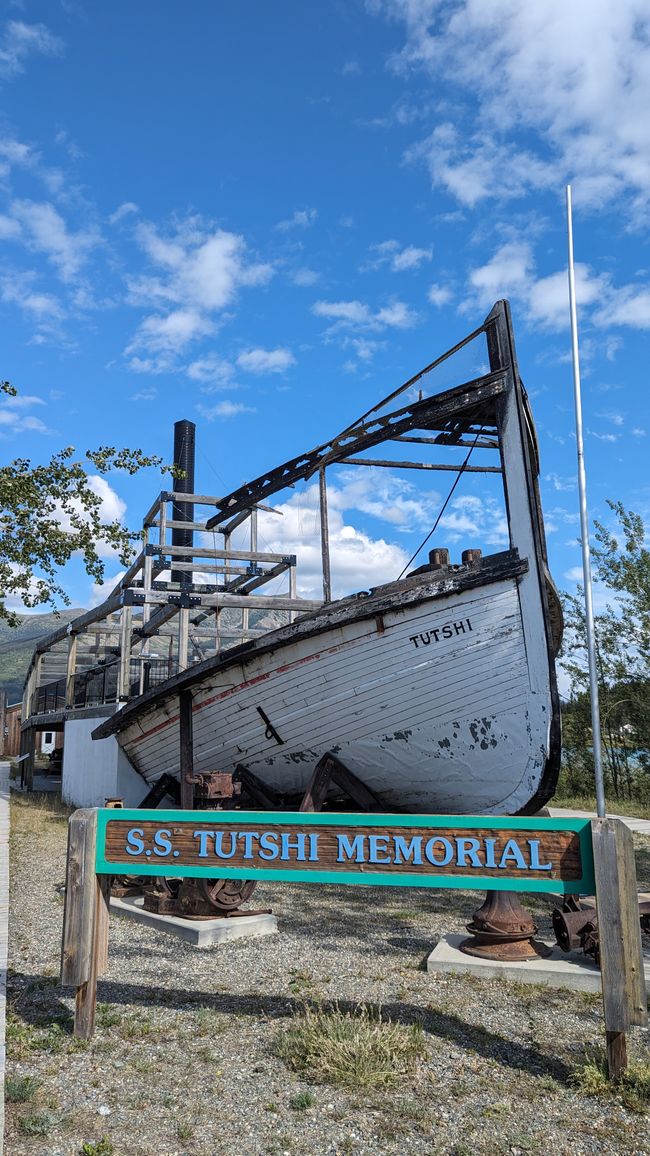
[(17, 646)]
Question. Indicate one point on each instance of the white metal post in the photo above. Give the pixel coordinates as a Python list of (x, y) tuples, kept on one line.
[(584, 529)]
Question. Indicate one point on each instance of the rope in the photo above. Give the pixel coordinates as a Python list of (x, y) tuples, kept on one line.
[(446, 503)]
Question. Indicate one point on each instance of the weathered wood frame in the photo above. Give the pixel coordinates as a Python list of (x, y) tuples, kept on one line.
[(607, 858)]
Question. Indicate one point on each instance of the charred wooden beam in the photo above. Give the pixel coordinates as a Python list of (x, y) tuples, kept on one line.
[(473, 401)]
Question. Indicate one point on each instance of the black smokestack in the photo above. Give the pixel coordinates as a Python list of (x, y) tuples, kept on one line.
[(184, 436)]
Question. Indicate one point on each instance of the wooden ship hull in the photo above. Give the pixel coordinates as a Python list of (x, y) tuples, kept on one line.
[(437, 691)]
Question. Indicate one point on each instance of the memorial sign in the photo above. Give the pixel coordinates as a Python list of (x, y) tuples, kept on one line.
[(387, 850), (570, 856)]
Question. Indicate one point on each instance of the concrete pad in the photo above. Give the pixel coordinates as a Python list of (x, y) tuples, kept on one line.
[(571, 969), (198, 932)]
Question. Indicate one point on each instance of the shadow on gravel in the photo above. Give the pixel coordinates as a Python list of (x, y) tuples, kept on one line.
[(49, 1008)]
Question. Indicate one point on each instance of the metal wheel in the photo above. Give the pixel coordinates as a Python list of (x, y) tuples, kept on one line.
[(226, 894), (169, 885)]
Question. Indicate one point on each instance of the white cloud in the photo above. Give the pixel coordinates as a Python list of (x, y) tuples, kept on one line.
[(357, 314), (170, 333), (266, 360), (46, 232), (101, 590), (511, 273), (18, 289), (199, 272), (126, 209), (476, 521), (15, 153), (551, 89), (349, 312), (358, 560), (560, 484), (149, 394), (21, 40), (439, 295), (397, 315), (111, 509), (398, 258), (13, 416), (212, 371), (301, 219), (305, 277), (639, 433), (574, 574), (475, 167), (628, 306), (224, 409)]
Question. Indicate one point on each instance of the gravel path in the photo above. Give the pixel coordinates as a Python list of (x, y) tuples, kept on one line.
[(183, 1064)]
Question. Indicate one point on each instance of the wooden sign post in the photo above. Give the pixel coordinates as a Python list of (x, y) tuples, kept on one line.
[(573, 856)]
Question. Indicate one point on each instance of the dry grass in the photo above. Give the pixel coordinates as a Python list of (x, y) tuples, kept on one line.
[(358, 1049)]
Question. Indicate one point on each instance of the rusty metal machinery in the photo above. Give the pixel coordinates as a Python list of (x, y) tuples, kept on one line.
[(203, 898), (503, 930), (576, 925), (192, 898)]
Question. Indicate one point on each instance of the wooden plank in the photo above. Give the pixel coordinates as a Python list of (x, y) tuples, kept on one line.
[(262, 795), (183, 637), (318, 785), (324, 537), (186, 749), (29, 762), (351, 783), (621, 955), (399, 465), (616, 1044), (541, 855), (86, 996), (71, 665), (174, 552), (253, 602), (102, 922), (80, 898)]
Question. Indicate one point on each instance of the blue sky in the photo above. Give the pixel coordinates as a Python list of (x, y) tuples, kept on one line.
[(263, 217)]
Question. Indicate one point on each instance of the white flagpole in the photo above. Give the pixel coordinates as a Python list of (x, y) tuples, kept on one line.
[(584, 528)]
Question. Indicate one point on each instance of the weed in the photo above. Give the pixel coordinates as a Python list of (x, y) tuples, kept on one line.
[(271, 1106), (591, 998), (20, 1089), (300, 981), (524, 1141), (102, 1147), (136, 1025), (184, 1131), (24, 1039), (633, 1087), (39, 1123), (358, 1049), (498, 1108), (106, 1016), (208, 1022), (302, 1101)]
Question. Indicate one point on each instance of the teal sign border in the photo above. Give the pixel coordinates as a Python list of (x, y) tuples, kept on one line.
[(499, 881)]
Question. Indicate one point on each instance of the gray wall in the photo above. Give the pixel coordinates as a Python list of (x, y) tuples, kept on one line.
[(94, 771)]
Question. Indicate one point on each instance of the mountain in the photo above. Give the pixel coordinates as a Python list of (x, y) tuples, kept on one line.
[(17, 646)]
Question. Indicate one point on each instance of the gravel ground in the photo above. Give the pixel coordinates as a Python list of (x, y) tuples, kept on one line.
[(182, 1063)]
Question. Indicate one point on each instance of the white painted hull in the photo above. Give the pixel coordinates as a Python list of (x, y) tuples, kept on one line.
[(432, 705)]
